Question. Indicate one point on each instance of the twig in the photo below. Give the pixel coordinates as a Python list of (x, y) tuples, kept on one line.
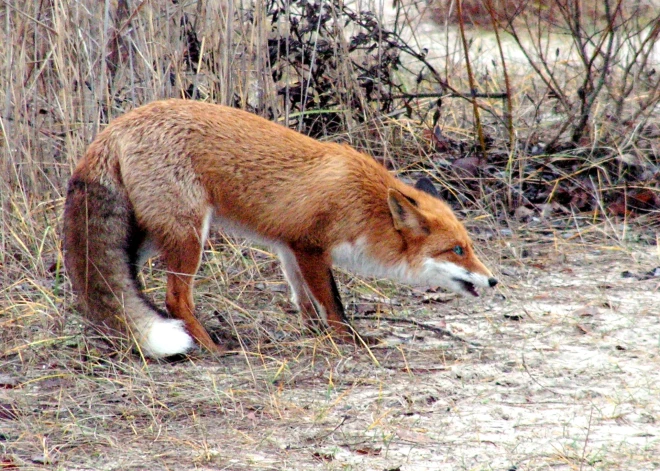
[(322, 437), (473, 85), (466, 96), (589, 91), (393, 39), (586, 439), (507, 83), (524, 363), (509, 105), (438, 330)]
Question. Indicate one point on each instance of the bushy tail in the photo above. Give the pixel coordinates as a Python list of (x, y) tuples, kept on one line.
[(101, 240)]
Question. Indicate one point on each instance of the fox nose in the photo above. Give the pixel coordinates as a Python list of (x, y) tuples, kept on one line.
[(492, 282)]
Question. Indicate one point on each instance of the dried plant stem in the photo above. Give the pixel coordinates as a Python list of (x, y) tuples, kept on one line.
[(508, 118), (472, 82)]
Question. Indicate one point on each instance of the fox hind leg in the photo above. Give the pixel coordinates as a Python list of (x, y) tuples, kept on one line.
[(182, 253)]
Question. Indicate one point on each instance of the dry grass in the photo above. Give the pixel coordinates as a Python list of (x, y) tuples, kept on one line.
[(565, 375)]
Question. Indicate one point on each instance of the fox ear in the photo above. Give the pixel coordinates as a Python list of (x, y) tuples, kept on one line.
[(405, 214), (426, 185)]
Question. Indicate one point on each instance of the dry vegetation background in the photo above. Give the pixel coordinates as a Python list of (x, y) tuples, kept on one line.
[(539, 121)]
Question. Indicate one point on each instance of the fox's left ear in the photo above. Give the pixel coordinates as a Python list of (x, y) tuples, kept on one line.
[(426, 185), (405, 214)]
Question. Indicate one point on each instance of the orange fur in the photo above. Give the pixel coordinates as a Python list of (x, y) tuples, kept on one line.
[(154, 175)]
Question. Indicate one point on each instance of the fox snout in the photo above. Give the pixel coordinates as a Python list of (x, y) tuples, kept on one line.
[(457, 278), (468, 283)]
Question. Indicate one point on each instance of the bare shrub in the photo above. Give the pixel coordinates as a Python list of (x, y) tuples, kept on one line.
[(594, 62)]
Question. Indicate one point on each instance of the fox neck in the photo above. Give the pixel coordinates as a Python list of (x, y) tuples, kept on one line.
[(356, 257)]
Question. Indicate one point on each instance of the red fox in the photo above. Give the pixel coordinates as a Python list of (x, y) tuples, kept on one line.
[(157, 177)]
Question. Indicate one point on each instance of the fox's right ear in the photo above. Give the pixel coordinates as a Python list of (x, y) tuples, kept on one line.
[(405, 215), (426, 185)]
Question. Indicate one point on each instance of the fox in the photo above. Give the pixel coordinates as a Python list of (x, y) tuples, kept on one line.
[(157, 178)]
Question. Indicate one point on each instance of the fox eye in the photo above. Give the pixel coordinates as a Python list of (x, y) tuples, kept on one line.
[(458, 250)]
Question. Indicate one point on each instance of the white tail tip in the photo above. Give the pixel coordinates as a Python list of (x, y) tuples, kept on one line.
[(166, 337)]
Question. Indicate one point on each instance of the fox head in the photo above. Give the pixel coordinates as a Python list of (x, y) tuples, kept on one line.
[(439, 249)]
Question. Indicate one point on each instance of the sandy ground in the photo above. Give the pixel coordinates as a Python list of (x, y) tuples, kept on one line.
[(560, 369)]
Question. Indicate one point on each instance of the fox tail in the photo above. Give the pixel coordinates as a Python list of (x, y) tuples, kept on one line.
[(101, 242)]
